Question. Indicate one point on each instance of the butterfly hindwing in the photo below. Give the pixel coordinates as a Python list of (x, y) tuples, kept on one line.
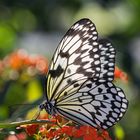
[(100, 105)]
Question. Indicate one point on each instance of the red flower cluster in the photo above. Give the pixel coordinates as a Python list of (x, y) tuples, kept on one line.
[(31, 129), (120, 74), (20, 59), (85, 132), (65, 130)]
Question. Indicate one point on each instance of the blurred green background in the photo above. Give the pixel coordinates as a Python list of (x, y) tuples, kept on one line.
[(36, 27)]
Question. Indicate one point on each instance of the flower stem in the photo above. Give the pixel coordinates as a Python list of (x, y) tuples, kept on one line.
[(14, 124)]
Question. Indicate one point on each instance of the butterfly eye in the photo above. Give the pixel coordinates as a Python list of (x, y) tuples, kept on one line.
[(41, 106)]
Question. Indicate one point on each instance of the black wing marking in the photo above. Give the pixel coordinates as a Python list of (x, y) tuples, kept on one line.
[(100, 105), (76, 59), (107, 59)]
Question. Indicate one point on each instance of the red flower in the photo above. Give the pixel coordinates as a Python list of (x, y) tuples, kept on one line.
[(77, 132), (67, 130), (64, 131), (90, 133), (15, 62), (20, 136), (105, 135), (42, 130), (88, 137), (41, 64), (31, 129), (49, 134), (20, 59), (120, 74)]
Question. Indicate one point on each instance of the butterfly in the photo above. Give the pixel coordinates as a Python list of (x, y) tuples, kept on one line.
[(79, 81)]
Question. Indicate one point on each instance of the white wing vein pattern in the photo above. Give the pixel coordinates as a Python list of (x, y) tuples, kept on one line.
[(100, 105), (73, 61), (79, 81)]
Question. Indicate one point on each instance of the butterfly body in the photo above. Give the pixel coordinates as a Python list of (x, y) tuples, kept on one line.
[(49, 107), (79, 82)]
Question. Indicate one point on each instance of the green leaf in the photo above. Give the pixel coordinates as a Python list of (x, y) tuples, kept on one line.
[(119, 132), (34, 91)]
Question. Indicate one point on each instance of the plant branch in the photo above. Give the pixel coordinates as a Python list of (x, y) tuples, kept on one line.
[(14, 124)]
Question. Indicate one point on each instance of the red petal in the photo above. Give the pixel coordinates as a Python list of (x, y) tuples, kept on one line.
[(31, 129), (88, 137)]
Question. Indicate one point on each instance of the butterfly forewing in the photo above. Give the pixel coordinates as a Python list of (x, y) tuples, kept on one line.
[(107, 59), (76, 59)]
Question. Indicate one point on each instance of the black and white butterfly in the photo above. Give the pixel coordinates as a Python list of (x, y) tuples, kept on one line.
[(79, 82)]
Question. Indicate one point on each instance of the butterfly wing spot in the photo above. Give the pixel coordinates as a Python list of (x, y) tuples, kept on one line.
[(123, 110), (105, 127), (116, 110), (95, 43), (109, 84), (57, 72), (93, 28), (94, 37), (80, 100), (113, 90), (69, 70), (89, 85), (111, 64), (95, 50), (114, 115), (85, 94), (121, 94), (69, 81), (64, 54), (109, 123), (124, 100), (76, 85), (112, 119), (111, 49), (96, 103), (100, 90), (96, 56), (124, 105), (97, 62), (79, 109), (117, 104), (120, 116), (97, 68), (110, 73), (65, 93), (111, 56), (105, 97)]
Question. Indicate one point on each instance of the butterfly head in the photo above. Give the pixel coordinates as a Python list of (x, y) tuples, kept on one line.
[(48, 106)]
